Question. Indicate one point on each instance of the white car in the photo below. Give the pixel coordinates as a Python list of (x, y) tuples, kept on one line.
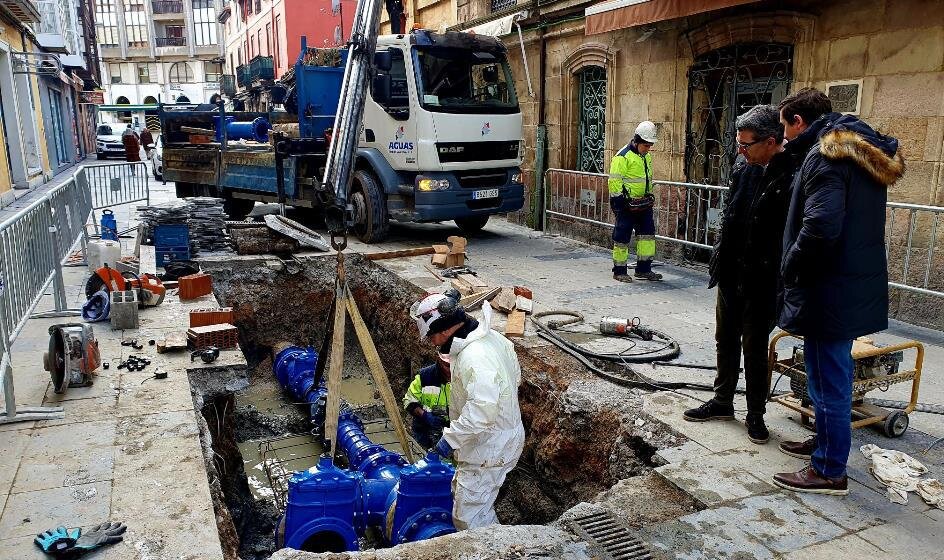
[(157, 161), (107, 143)]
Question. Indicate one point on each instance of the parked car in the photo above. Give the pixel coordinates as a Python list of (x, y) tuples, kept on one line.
[(107, 143), (157, 161)]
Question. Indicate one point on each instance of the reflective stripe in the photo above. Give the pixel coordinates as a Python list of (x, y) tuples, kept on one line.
[(634, 180), (620, 254), (645, 247)]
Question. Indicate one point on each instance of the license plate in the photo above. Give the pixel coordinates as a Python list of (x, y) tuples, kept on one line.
[(487, 193)]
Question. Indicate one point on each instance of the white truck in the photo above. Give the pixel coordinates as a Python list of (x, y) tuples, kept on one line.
[(441, 139)]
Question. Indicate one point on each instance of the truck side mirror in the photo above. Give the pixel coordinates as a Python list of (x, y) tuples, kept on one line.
[(383, 60), (380, 89)]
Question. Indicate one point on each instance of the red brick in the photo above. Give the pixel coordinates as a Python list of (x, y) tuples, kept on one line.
[(204, 317), (221, 336), (195, 285)]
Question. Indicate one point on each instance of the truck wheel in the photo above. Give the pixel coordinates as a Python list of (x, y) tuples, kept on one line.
[(370, 208), (472, 224), (237, 208)]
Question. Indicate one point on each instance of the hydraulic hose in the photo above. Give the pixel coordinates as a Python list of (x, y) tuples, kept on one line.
[(901, 405), (670, 349)]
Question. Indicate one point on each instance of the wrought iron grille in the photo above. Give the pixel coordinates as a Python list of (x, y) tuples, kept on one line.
[(591, 127), (498, 5), (722, 85)]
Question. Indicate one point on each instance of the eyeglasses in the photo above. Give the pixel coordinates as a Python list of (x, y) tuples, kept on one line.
[(745, 145)]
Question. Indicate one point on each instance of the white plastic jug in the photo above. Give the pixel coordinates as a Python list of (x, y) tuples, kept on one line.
[(101, 253)]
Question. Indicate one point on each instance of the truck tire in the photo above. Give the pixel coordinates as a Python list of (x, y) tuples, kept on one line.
[(370, 208), (472, 224), (237, 208)]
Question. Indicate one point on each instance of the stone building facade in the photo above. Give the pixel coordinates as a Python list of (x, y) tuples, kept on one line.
[(597, 76)]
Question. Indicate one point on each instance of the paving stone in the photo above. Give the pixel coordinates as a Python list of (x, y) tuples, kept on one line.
[(141, 394), (712, 479), (913, 536), (84, 410), (782, 524), (693, 537), (54, 469), (849, 546), (688, 450), (28, 513), (176, 539), (22, 548)]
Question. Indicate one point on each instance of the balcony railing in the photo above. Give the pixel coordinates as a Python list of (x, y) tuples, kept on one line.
[(242, 75), (498, 5), (261, 68), (228, 85), (167, 6), (170, 41), (55, 19)]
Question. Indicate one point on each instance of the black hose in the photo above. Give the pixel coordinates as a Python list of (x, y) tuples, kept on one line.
[(670, 350)]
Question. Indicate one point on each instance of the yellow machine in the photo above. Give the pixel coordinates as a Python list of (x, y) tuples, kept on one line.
[(876, 367)]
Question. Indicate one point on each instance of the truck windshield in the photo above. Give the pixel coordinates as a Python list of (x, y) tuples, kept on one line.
[(455, 80)]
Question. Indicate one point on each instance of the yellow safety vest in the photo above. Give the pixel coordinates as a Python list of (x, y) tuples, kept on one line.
[(630, 172)]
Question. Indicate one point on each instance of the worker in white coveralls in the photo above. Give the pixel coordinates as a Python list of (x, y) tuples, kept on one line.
[(485, 429)]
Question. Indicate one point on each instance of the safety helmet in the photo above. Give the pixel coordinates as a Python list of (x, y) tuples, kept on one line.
[(647, 131), (432, 308)]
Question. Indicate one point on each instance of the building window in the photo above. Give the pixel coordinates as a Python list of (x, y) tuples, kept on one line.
[(278, 50), (180, 73), (723, 84), (144, 74), (591, 123), (259, 42), (204, 23), (252, 47), (269, 39), (114, 71), (213, 71), (106, 23), (232, 64), (123, 116), (136, 23)]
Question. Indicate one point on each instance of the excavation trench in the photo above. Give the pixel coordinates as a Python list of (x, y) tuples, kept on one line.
[(583, 434)]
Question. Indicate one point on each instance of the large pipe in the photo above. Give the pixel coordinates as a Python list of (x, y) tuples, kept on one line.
[(328, 508)]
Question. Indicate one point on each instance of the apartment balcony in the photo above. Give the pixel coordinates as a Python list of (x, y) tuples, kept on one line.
[(170, 42), (165, 10), (261, 68), (242, 75), (23, 11), (55, 31), (228, 85)]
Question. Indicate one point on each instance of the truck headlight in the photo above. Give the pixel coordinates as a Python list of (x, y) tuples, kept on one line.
[(425, 184), (516, 178)]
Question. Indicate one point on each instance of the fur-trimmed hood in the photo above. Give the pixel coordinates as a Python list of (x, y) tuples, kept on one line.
[(847, 137)]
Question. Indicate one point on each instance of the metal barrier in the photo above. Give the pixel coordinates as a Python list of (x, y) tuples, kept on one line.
[(33, 245), (689, 214)]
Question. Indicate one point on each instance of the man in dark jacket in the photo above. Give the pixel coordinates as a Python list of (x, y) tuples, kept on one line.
[(745, 266), (835, 279)]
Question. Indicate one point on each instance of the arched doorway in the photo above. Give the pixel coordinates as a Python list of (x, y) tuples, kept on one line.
[(591, 119), (182, 99), (123, 116), (151, 121), (723, 84)]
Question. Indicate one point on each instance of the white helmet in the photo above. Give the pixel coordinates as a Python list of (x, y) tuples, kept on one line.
[(647, 131), (430, 309)]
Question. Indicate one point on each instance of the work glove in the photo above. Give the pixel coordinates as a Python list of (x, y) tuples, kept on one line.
[(434, 420), (443, 448), (56, 542), (71, 544)]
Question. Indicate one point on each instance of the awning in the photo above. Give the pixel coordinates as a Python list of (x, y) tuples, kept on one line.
[(142, 107), (622, 14), (498, 27)]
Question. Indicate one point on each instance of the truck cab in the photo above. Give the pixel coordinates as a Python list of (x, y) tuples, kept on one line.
[(442, 129)]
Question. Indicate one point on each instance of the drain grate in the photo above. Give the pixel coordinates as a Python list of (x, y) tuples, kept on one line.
[(602, 530)]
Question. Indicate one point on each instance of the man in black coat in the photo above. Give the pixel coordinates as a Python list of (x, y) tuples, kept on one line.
[(835, 279), (745, 265)]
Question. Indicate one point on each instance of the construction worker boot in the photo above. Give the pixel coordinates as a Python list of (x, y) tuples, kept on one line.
[(623, 278), (651, 276)]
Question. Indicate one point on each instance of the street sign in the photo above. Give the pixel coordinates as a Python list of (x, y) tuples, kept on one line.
[(91, 97)]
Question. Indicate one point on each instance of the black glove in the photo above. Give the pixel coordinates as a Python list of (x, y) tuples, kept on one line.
[(64, 544), (433, 420), (100, 535)]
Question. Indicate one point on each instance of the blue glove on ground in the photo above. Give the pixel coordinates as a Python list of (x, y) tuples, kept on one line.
[(57, 542), (434, 420), (443, 448)]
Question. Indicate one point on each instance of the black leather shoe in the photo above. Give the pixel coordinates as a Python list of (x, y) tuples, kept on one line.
[(710, 411), (756, 429)]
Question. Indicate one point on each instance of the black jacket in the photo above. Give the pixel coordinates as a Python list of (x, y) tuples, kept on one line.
[(835, 276), (746, 259)]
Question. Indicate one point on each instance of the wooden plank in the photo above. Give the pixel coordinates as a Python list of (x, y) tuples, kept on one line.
[(433, 272), (147, 260), (197, 130), (461, 286), (474, 281), (514, 326), (336, 357), (172, 341), (401, 253), (474, 301), (381, 381)]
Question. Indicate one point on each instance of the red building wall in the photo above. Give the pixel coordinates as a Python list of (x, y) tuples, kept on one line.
[(315, 20)]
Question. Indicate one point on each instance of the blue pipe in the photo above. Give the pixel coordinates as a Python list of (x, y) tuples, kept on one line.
[(256, 129), (327, 507)]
